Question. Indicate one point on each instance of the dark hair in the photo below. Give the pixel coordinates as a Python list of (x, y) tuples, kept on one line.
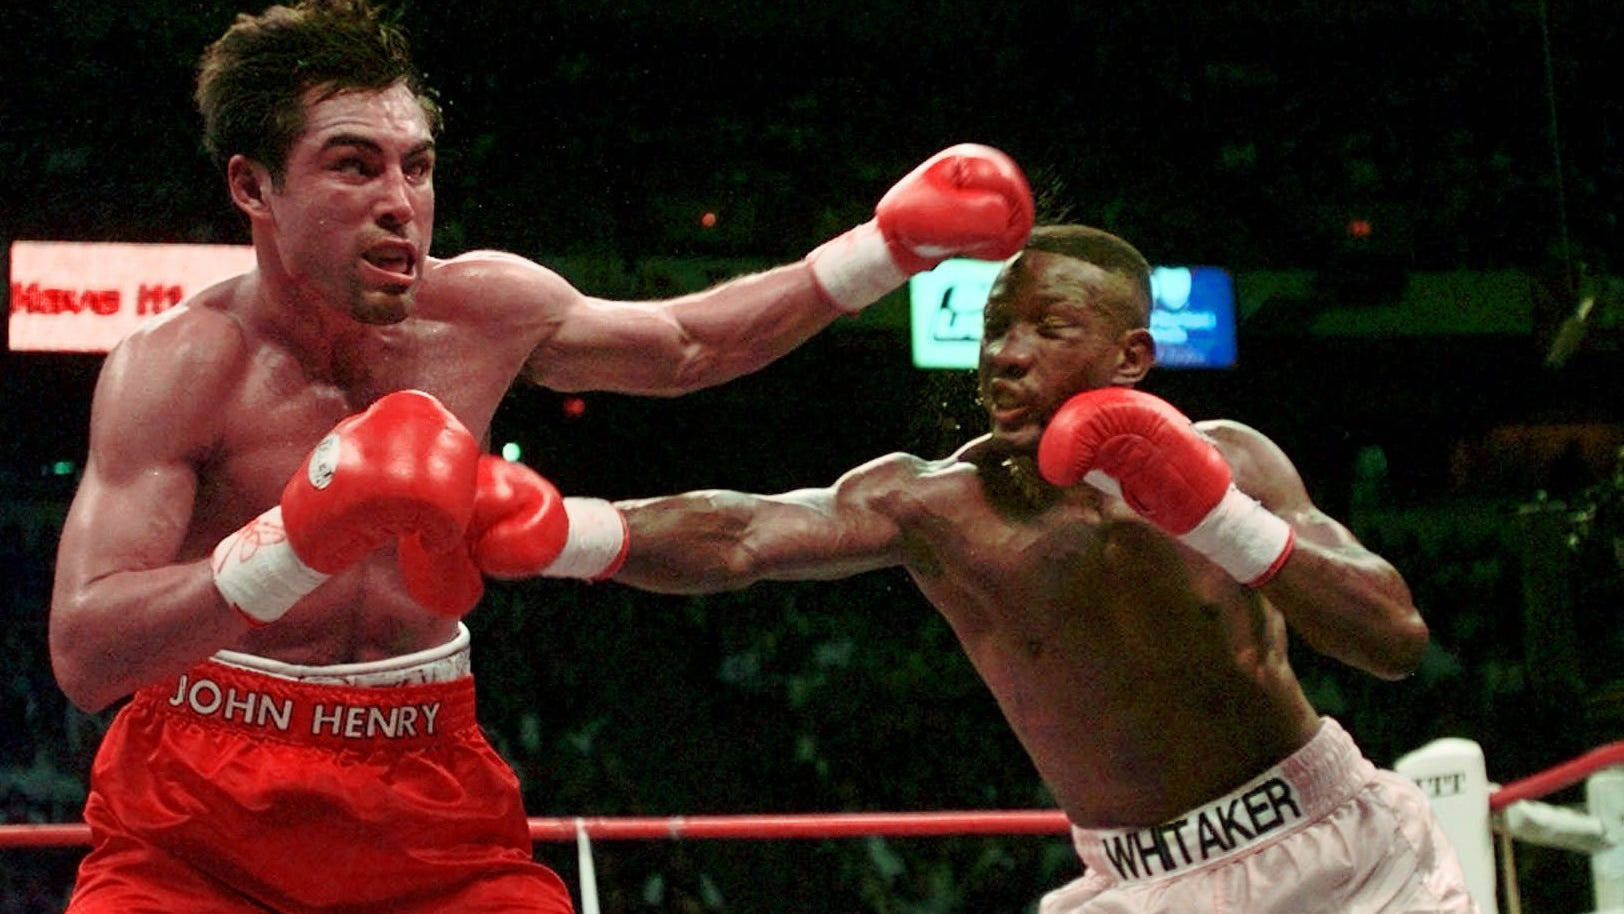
[(252, 80), (1104, 250)]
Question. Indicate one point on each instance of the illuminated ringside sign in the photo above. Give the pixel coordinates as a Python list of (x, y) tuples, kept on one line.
[(1192, 318), (77, 296)]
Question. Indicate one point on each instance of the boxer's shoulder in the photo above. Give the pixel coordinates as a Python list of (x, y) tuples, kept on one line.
[(206, 318), (486, 285), (165, 384), (903, 486), (1257, 462), (199, 343), (1228, 432)]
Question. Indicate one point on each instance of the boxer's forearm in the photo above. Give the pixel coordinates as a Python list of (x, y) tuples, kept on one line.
[(118, 633), (708, 541), (692, 543)]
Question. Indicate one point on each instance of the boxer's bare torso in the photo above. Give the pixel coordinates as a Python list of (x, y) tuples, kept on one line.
[(1141, 680), (250, 389), (283, 399)]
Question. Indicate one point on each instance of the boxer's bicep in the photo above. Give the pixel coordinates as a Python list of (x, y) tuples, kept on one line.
[(131, 523), (681, 344), (134, 502), (845, 529), (123, 606), (623, 347), (1343, 599), (1264, 471), (568, 341), (151, 418)]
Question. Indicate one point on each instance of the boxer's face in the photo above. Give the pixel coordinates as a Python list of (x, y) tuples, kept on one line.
[(353, 216), (1052, 329)]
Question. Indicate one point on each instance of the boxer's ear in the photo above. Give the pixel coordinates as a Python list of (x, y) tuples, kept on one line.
[(249, 182), (1135, 355)]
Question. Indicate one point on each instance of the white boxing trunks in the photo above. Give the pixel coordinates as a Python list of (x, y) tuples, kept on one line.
[(1323, 831)]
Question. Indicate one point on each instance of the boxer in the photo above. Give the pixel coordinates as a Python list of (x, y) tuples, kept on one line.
[(1124, 581), (269, 548)]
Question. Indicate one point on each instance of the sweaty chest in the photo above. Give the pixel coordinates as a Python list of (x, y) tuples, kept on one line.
[(988, 567), (1070, 577), (285, 405)]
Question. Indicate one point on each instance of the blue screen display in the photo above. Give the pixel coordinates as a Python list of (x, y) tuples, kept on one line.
[(1192, 318)]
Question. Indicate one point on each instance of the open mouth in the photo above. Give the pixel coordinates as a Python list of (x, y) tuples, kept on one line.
[(1009, 418), (1005, 404), (397, 261)]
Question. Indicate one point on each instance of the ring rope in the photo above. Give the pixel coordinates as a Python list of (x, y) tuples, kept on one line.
[(1556, 777), (847, 825)]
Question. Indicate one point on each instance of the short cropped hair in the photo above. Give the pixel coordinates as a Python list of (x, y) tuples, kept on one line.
[(252, 81), (1103, 249)]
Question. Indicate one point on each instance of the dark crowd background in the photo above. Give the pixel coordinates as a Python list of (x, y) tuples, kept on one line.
[(1473, 138)]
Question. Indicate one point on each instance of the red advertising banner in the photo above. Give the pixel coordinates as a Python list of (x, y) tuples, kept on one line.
[(80, 296)]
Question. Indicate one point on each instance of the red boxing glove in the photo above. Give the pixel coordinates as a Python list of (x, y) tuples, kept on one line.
[(965, 201), (522, 527), (402, 469), (1138, 446)]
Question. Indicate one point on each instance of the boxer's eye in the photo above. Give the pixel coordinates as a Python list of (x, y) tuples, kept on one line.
[(352, 165)]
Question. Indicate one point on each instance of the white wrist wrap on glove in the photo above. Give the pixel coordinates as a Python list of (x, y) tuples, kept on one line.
[(596, 545), (856, 268), (1103, 481), (258, 574), (1243, 538)]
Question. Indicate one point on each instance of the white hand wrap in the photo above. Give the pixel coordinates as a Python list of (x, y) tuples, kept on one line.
[(856, 268), (258, 574), (1243, 538), (596, 545), (1239, 535)]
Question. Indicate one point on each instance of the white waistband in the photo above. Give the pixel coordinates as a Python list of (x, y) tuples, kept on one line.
[(436, 664), (1303, 788)]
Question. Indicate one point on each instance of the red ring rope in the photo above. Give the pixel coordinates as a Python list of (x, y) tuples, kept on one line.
[(851, 825), (808, 825), (1557, 777)]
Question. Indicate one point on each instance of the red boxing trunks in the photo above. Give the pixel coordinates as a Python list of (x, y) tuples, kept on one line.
[(250, 785), (1323, 832)]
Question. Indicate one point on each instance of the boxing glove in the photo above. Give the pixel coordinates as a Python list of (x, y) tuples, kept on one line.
[(403, 469), (1139, 447), (522, 527), (965, 201)]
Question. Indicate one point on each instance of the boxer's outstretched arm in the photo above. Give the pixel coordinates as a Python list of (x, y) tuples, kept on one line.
[(1344, 600), (123, 611), (968, 200), (714, 540), (679, 345)]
